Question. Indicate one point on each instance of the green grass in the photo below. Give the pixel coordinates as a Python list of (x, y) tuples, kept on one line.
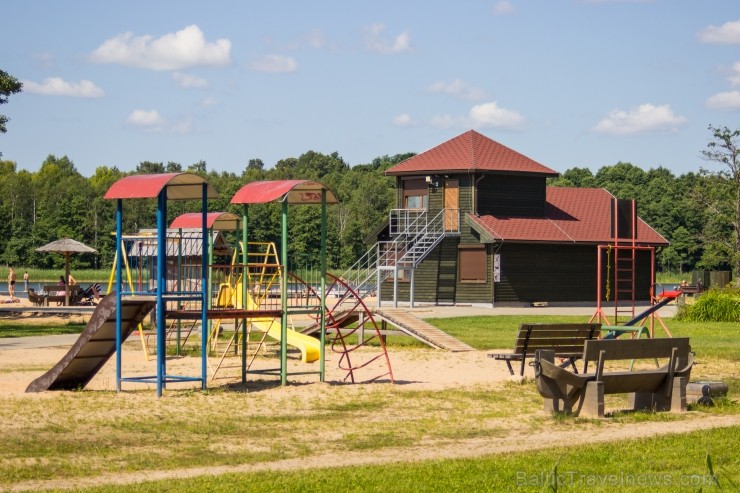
[(87, 434), (25, 330), (672, 277), (708, 339), (666, 463), (41, 276)]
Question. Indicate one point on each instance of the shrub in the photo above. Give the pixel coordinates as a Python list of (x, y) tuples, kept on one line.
[(716, 305)]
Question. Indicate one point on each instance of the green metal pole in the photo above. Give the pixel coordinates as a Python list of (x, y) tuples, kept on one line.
[(284, 295), (322, 349), (179, 287), (210, 277), (245, 219)]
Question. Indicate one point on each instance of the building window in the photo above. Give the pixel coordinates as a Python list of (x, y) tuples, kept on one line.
[(473, 264), (415, 194)]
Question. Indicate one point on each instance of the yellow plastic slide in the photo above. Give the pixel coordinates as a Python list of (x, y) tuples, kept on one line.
[(310, 347)]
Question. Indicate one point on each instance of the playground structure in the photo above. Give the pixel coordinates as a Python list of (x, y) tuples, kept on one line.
[(168, 280), (617, 280)]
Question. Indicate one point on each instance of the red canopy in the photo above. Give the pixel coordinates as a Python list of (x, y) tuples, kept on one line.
[(221, 221), (180, 186), (295, 191)]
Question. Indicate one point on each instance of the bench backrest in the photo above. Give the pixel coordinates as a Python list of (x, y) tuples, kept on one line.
[(57, 287), (623, 349), (565, 338)]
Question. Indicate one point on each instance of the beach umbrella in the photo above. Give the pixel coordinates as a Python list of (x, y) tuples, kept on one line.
[(66, 246)]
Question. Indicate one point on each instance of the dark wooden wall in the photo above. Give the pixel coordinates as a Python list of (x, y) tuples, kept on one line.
[(511, 195), (558, 273), (529, 272)]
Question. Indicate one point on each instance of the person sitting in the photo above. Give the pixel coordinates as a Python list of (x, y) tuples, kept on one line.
[(63, 285)]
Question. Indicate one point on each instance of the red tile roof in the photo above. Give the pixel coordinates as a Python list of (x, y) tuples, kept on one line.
[(470, 152), (573, 215)]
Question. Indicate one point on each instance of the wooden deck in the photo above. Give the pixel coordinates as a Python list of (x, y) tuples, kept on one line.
[(419, 329)]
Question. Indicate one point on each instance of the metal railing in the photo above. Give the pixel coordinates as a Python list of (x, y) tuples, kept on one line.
[(415, 235)]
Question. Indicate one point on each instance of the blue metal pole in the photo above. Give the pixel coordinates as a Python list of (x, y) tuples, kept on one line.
[(119, 262), (245, 272), (206, 288), (161, 284)]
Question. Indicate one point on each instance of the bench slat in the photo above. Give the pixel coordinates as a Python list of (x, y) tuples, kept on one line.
[(636, 348), (566, 340)]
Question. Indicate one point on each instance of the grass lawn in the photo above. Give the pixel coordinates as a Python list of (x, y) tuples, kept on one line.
[(90, 434), (667, 463), (9, 329), (708, 339)]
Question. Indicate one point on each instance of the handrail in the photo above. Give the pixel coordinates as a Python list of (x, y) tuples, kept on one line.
[(415, 235)]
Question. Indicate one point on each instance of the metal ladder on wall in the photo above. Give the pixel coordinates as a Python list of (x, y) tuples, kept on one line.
[(625, 259), (414, 235)]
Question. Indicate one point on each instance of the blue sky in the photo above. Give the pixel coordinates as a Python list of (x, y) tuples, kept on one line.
[(568, 83)]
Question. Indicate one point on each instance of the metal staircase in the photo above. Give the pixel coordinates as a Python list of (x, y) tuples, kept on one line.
[(414, 235)]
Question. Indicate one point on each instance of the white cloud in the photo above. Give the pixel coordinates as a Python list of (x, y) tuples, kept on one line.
[(725, 101), (56, 86), (458, 89), (211, 101), (44, 59), (374, 42), (445, 121), (491, 115), (645, 119), (274, 64), (735, 76), (403, 120), (149, 120), (174, 51), (316, 38), (728, 33), (184, 126), (189, 81), (153, 122), (503, 8), (486, 115)]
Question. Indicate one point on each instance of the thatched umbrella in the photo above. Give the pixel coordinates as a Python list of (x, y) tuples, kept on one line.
[(66, 246)]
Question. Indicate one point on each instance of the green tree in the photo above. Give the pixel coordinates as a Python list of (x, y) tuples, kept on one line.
[(63, 201), (574, 177), (724, 150), (8, 85)]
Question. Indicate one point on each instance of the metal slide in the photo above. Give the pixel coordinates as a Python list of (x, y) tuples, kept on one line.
[(96, 344)]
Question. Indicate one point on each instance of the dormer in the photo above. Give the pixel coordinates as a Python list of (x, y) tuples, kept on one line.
[(496, 179)]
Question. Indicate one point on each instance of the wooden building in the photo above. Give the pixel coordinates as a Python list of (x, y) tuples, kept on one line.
[(496, 233)]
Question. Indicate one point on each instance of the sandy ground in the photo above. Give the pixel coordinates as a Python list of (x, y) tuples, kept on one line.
[(412, 369)]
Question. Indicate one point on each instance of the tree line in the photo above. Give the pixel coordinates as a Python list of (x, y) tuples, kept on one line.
[(698, 212)]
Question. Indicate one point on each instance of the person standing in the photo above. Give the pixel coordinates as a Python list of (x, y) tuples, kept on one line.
[(25, 281), (11, 283)]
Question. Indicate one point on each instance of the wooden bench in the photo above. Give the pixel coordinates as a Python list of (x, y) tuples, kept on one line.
[(58, 295), (566, 340), (660, 389)]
